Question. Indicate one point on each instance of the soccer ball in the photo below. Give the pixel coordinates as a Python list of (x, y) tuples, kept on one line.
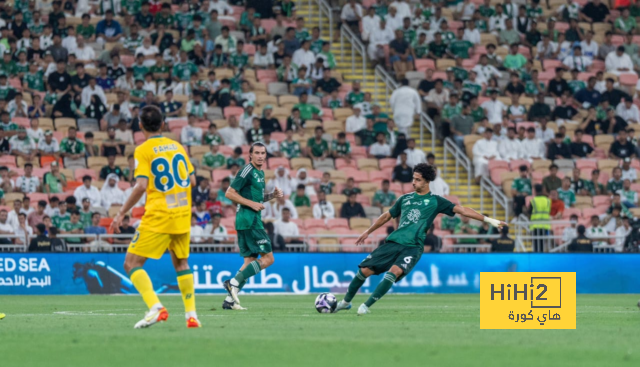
[(326, 303)]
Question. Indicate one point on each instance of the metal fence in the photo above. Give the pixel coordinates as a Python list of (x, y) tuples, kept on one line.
[(324, 14), (525, 241)]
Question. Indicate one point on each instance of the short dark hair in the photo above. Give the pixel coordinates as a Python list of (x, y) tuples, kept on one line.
[(151, 118), (523, 168), (70, 200), (300, 187), (427, 171), (581, 230), (538, 188), (553, 166)]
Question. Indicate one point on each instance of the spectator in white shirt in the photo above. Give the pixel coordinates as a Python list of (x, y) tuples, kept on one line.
[(378, 38), (357, 121), (569, 233), (88, 191), (471, 33), (351, 14), (597, 232), (323, 209), (217, 230), (49, 145), (286, 228), (414, 156), (618, 62), (494, 108), (628, 172), (589, 46), (84, 53), (197, 232), (394, 19), (18, 107), (223, 8), (370, 23), (544, 133), (263, 59), (123, 134), (34, 132), (5, 228), (28, 183), (192, 134), (622, 232), (304, 56), (233, 135), (380, 149), (274, 211), (510, 148), (111, 193), (439, 186), (23, 230), (464, 10), (532, 147), (149, 52), (484, 150), (628, 111), (577, 61), (93, 89)]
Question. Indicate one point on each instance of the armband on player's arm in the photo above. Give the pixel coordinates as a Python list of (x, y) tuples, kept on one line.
[(268, 197)]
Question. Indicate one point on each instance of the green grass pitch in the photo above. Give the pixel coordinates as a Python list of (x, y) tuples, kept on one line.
[(407, 330)]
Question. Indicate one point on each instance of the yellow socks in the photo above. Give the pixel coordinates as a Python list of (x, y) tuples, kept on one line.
[(142, 282), (185, 283)]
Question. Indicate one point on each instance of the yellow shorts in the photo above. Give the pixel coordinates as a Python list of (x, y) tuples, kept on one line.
[(153, 245)]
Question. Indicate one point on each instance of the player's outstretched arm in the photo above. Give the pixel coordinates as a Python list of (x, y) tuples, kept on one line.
[(384, 218), (138, 190), (277, 193), (470, 213), (234, 196)]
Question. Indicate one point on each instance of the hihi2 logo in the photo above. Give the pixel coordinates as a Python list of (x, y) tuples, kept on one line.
[(527, 300)]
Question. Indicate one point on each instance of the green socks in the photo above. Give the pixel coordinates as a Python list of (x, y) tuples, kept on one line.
[(241, 284), (356, 283), (381, 289), (241, 278)]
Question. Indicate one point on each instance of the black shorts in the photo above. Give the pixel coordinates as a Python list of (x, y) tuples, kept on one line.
[(390, 254)]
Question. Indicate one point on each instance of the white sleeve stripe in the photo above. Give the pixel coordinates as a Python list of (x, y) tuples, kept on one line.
[(246, 170)]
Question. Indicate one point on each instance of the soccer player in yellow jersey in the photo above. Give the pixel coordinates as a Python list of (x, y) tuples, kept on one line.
[(163, 171)]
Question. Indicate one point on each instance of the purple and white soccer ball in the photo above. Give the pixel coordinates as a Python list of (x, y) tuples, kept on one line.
[(326, 303)]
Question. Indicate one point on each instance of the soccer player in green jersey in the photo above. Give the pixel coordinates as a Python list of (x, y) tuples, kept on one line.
[(247, 191), (404, 247)]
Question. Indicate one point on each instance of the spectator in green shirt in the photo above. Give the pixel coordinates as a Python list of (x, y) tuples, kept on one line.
[(466, 228), (213, 159), (384, 198), (459, 47), (73, 226), (308, 111), (340, 148), (514, 60), (317, 148), (299, 198), (367, 136), (350, 188), (88, 31), (566, 194), (236, 158)]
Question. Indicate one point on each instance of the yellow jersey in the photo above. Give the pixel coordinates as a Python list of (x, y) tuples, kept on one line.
[(166, 165)]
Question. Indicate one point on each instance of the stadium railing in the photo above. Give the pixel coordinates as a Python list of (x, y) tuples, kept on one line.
[(13, 248), (467, 247), (425, 123), (324, 10), (357, 47), (497, 195), (554, 242), (462, 161)]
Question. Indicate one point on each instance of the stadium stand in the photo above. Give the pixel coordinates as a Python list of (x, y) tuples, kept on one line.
[(555, 82)]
